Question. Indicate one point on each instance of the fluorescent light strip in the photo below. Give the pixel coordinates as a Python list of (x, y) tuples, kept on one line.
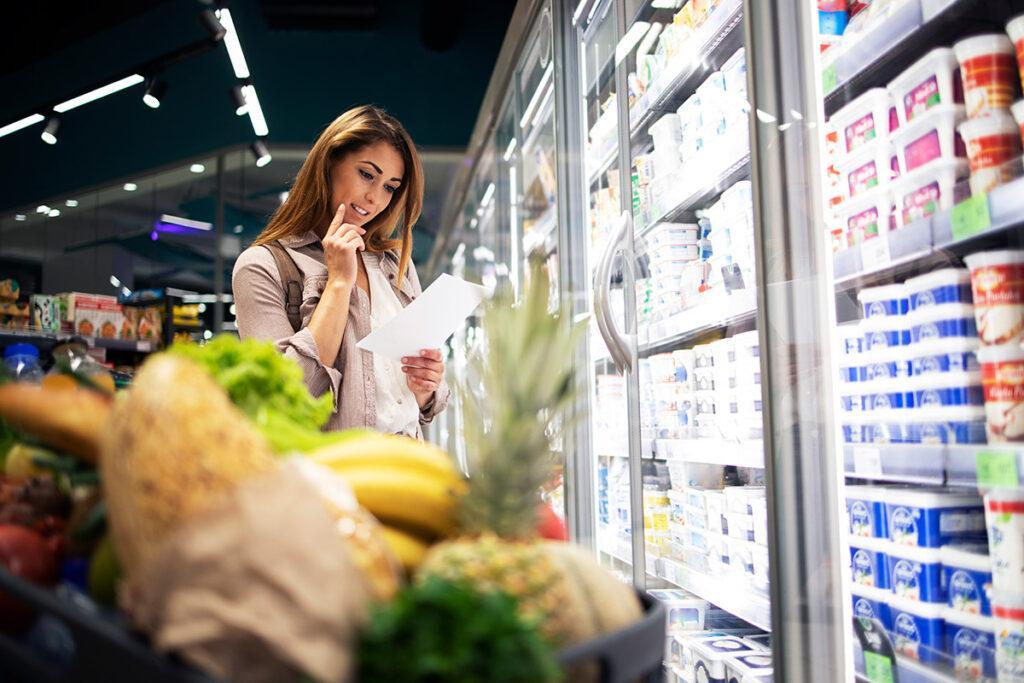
[(185, 222), (488, 196), (629, 41), (93, 95), (255, 111), (233, 45), (543, 105), (510, 150), (23, 123), (537, 94), (579, 11), (665, 4), (648, 42)]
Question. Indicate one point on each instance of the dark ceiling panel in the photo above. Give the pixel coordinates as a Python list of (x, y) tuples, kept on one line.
[(321, 15)]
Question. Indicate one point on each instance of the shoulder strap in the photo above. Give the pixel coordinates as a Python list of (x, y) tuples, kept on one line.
[(292, 280)]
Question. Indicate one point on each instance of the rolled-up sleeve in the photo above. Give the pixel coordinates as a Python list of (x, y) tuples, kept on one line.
[(259, 310)]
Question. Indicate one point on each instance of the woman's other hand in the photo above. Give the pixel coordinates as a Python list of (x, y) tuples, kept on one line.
[(423, 374), (342, 243)]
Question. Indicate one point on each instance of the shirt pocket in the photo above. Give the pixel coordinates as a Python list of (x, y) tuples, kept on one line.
[(312, 290)]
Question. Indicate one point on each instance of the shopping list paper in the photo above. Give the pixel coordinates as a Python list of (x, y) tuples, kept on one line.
[(428, 321)]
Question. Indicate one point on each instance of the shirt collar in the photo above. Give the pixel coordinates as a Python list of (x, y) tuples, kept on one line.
[(299, 240)]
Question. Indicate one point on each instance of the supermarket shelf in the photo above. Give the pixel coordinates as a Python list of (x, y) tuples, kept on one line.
[(718, 39), (724, 592), (950, 465), (712, 451), (923, 245), (541, 233), (902, 38), (735, 172), (711, 313), (603, 163), (907, 670), (47, 340)]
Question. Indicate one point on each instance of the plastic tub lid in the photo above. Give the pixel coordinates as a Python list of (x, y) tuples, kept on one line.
[(1018, 107), (1001, 257), (995, 122), (940, 53), (870, 592), (938, 380), (872, 493), (877, 545), (884, 293), (871, 98), (931, 498), (935, 347), (936, 278), (916, 178), (1005, 495), (1009, 601), (912, 552), (925, 610), (948, 414), (1015, 28), (888, 385), (987, 44), (1004, 353), (975, 621), (21, 350), (919, 125), (973, 556), (879, 323)]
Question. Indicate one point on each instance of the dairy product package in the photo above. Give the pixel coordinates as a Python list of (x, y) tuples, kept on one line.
[(1008, 611), (1002, 376), (928, 190), (950, 355), (967, 574), (929, 140), (916, 573), (930, 82), (1004, 515), (949, 390), (917, 631), (863, 121), (748, 667), (740, 526), (684, 611), (710, 656), (886, 426), (869, 562), (952, 425), (993, 142), (931, 518), (971, 642), (947, 321), (865, 507), (989, 70), (872, 603), (997, 283), (738, 498), (944, 286), (887, 300), (885, 333)]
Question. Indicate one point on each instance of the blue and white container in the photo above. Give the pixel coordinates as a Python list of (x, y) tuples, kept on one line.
[(885, 427), (933, 517), (885, 332), (967, 573), (851, 396), (851, 340), (963, 425), (872, 603), (865, 507), (958, 354), (852, 369), (971, 643), (869, 562), (954, 389), (946, 286), (886, 301), (711, 654), (916, 573), (948, 321), (917, 629), (852, 427), (884, 363), (886, 394), (748, 667)]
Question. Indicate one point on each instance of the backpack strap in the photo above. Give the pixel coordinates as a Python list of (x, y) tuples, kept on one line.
[(292, 280)]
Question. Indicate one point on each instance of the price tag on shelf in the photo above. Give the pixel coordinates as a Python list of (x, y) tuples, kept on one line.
[(875, 252), (970, 217), (867, 461), (878, 668), (997, 469), (829, 79)]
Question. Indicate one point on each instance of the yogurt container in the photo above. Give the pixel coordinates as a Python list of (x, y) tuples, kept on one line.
[(927, 191), (944, 286), (711, 654), (971, 642), (865, 507), (989, 72), (949, 390), (885, 333), (759, 563), (738, 499), (1008, 611), (870, 168), (992, 142), (885, 301), (869, 562), (1015, 29), (885, 363), (1018, 116), (1002, 376), (956, 425), (714, 501), (863, 121), (1004, 515), (867, 216), (885, 394), (748, 667), (942, 322), (931, 518), (916, 573), (760, 517), (850, 339), (997, 286), (950, 355), (741, 556), (930, 138), (933, 81), (917, 629), (872, 603), (885, 427), (696, 518), (967, 573)]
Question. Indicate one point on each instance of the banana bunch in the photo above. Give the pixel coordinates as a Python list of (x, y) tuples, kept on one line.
[(410, 486)]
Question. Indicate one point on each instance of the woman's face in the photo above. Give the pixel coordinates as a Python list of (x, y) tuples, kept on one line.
[(366, 180)]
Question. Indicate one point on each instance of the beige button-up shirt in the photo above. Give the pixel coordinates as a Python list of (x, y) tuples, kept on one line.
[(259, 308)]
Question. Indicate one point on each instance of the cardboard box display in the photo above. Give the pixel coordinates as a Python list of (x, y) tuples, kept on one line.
[(45, 313), (92, 315)]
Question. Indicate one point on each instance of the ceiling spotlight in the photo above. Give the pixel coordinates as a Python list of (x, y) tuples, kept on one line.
[(197, 168), (71, 203), (53, 213), (114, 282), (130, 187), (42, 208), (49, 134), (262, 154), (238, 97), (238, 229), (213, 26), (283, 197), (19, 217), (155, 90)]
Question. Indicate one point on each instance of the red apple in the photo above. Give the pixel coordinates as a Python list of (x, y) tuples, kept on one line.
[(550, 525), (27, 555)]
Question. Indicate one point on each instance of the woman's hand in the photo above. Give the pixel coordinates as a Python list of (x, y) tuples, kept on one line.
[(423, 374), (342, 243)]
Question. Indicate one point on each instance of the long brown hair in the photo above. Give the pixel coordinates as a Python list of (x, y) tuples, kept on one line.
[(309, 202)]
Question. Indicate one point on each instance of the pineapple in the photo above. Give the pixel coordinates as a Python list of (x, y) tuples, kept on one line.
[(526, 380)]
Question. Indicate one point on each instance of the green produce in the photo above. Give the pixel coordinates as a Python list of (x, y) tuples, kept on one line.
[(443, 632), (104, 573)]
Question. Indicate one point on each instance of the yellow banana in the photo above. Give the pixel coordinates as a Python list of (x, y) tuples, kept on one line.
[(403, 497), (409, 549), (376, 450)]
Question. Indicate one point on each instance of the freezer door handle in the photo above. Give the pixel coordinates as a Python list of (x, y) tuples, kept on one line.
[(619, 345)]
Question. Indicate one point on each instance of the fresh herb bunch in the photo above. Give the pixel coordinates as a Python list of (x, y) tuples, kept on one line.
[(438, 631)]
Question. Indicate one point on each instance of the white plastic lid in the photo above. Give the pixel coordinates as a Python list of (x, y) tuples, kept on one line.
[(930, 498), (987, 44), (1003, 353), (872, 493), (938, 380), (995, 122), (968, 555), (881, 323), (912, 552), (936, 278), (1002, 257), (935, 347), (884, 293), (878, 196), (870, 592), (1005, 495), (1013, 601), (925, 610), (948, 414), (1015, 28), (943, 55), (930, 172), (877, 545), (875, 97), (975, 621)]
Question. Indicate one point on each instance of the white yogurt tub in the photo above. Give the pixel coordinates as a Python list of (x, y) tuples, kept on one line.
[(703, 357), (870, 168), (885, 363), (1002, 375), (1008, 611), (930, 138), (997, 281), (930, 82), (951, 390), (954, 425), (863, 121), (989, 72), (917, 630), (885, 333), (885, 427), (759, 507), (1015, 29), (714, 502), (756, 667), (851, 396), (741, 526), (939, 323), (867, 216), (887, 300), (971, 643), (992, 142), (950, 355), (1004, 515), (886, 394), (741, 556), (865, 507), (944, 286), (738, 498), (967, 572), (711, 654), (916, 573), (850, 339), (928, 190)]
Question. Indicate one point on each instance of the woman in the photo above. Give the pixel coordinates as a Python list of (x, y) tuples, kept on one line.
[(328, 269)]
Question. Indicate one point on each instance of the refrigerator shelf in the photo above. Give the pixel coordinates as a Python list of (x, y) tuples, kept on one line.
[(542, 233), (728, 593), (677, 204), (720, 37), (47, 340), (921, 246), (712, 451), (603, 162), (907, 670), (711, 313), (899, 40), (940, 464)]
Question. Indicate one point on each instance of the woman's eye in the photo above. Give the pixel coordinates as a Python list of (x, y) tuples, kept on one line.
[(391, 189), (365, 175)]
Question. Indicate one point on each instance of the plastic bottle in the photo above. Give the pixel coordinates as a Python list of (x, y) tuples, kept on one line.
[(22, 361)]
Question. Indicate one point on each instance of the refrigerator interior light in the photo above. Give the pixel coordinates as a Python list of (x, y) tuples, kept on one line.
[(167, 219), (102, 91), (633, 36), (29, 120), (510, 150), (666, 4), (537, 95), (648, 40)]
